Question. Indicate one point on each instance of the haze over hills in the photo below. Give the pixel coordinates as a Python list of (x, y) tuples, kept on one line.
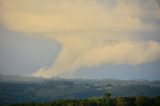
[(13, 78)]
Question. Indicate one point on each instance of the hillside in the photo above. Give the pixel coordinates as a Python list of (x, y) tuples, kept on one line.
[(30, 89)]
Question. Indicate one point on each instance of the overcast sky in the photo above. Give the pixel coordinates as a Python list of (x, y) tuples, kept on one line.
[(80, 38)]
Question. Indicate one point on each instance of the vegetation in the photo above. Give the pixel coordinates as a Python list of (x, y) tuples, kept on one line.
[(117, 101), (31, 91)]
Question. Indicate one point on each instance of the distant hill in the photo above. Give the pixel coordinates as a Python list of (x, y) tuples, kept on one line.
[(5, 78), (19, 89)]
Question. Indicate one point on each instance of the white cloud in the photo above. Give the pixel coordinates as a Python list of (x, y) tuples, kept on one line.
[(90, 33), (68, 15)]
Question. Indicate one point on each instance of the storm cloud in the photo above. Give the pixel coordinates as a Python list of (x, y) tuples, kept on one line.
[(90, 32)]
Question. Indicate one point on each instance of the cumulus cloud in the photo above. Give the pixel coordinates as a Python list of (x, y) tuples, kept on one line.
[(91, 32)]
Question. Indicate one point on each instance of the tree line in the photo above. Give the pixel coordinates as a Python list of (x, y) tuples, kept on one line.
[(107, 100)]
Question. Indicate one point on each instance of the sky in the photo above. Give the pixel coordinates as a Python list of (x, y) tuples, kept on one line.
[(93, 39)]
